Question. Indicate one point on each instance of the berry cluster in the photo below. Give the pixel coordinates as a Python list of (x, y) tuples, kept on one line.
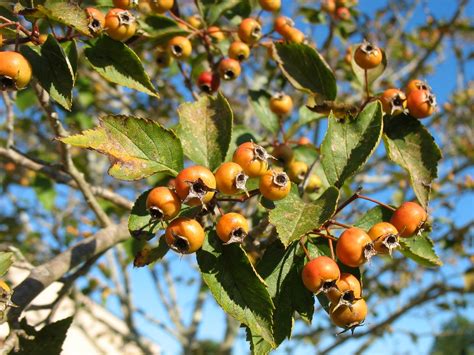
[(418, 100), (354, 248), (198, 186)]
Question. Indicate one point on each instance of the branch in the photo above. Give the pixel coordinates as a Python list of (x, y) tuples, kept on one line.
[(71, 169), (61, 177), (10, 119), (44, 275)]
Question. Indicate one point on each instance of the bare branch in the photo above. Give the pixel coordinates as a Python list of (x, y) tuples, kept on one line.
[(10, 119)]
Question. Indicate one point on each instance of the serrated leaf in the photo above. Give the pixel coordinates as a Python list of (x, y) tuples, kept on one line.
[(373, 216), (6, 260), (49, 340), (140, 224), (53, 70), (66, 13), (293, 217), (205, 128), (411, 146), (236, 286), (349, 143), (119, 64), (260, 101), (420, 248), (281, 270), (258, 345), (306, 69), (137, 147), (372, 74)]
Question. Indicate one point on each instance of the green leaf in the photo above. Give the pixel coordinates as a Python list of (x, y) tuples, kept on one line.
[(349, 143), (373, 216), (137, 147), (258, 345), (205, 128), (53, 70), (117, 63), (293, 217), (372, 74), (49, 340), (281, 270), (420, 248), (260, 101), (411, 146), (306, 69), (66, 13), (140, 223), (236, 286), (6, 260)]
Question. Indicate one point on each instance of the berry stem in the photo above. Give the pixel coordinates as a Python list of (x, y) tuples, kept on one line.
[(376, 201), (304, 249), (348, 201), (366, 78), (331, 247), (240, 199), (336, 223)]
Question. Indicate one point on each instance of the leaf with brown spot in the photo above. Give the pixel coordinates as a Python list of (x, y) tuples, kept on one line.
[(137, 147)]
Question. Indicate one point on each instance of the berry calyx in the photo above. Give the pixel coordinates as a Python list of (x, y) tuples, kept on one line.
[(421, 103), (229, 69), (368, 55), (345, 292), (349, 316), (163, 203), (239, 51), (120, 24), (394, 101), (417, 84), (253, 159), (354, 247), (208, 82), (232, 228), (320, 274), (249, 31), (384, 236), (231, 178), (409, 219), (195, 185), (96, 20), (184, 235), (180, 47), (274, 185)]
